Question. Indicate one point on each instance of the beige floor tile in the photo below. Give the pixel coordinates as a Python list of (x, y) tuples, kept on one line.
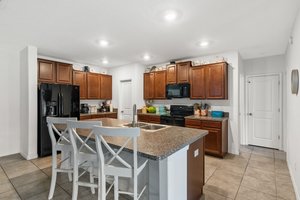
[(280, 155), (246, 148), (245, 193), (245, 155), (262, 158), (61, 177), (59, 194), (11, 158), (268, 166), (259, 185), (29, 178), (263, 152), (227, 176), (282, 168), (213, 161), (286, 192), (3, 176), (30, 190), (11, 195), (234, 168), (235, 159), (5, 186), (213, 196), (42, 163), (209, 170), (260, 174), (18, 168), (221, 187)]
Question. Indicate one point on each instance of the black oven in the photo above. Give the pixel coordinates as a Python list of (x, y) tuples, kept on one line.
[(181, 90)]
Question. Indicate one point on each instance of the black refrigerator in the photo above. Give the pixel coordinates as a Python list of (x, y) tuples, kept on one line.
[(56, 101)]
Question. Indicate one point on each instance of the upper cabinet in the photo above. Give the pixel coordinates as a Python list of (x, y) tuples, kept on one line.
[(54, 72), (64, 73), (217, 81), (46, 71), (183, 72), (79, 78), (106, 87), (155, 85), (171, 74), (149, 85), (93, 85), (209, 81), (198, 90), (160, 84)]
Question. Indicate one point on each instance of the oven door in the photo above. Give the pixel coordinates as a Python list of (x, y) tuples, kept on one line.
[(167, 120), (179, 121)]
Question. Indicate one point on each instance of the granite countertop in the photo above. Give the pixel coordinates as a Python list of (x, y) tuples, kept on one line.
[(158, 114), (221, 119), (97, 113), (154, 145)]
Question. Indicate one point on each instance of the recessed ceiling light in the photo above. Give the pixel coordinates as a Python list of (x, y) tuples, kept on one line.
[(170, 15), (104, 61), (146, 57), (103, 43), (203, 44)]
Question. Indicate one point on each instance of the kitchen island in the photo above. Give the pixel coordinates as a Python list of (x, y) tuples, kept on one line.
[(176, 159)]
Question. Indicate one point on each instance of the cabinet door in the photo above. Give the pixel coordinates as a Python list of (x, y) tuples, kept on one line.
[(112, 115), (46, 71), (93, 86), (198, 88), (64, 73), (79, 78), (213, 141), (171, 74), (143, 118), (183, 72), (148, 85), (106, 87), (160, 85), (85, 117), (154, 119), (217, 81)]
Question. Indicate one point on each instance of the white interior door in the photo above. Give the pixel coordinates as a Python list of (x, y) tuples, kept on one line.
[(126, 100), (263, 113)]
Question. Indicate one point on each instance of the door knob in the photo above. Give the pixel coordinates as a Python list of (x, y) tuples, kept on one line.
[(122, 111), (249, 114)]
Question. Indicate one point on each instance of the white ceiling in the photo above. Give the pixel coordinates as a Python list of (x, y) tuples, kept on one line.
[(69, 29)]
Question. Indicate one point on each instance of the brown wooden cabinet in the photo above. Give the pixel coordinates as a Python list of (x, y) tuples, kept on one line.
[(216, 142), (149, 118), (79, 78), (217, 81), (64, 73), (171, 74), (195, 170), (183, 72), (106, 87), (99, 115), (93, 85), (198, 87), (149, 85), (209, 81), (46, 71), (54, 72), (160, 85)]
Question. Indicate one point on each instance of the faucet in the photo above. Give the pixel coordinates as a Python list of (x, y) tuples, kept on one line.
[(134, 116)]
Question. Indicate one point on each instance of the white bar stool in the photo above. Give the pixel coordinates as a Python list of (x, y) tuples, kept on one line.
[(60, 142)]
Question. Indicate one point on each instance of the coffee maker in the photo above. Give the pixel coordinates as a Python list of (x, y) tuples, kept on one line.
[(84, 108)]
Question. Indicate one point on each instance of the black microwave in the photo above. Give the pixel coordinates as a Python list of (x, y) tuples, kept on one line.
[(181, 90)]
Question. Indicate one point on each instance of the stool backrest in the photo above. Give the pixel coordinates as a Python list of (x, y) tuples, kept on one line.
[(58, 126), (129, 134), (80, 143)]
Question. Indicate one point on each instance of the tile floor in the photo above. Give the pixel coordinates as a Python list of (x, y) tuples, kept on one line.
[(256, 174)]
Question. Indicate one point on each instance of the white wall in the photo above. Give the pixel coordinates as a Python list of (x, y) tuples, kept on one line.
[(268, 65), (28, 107), (231, 105), (9, 101), (293, 110), (133, 72)]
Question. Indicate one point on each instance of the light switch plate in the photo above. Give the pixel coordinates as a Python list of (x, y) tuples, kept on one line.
[(196, 153)]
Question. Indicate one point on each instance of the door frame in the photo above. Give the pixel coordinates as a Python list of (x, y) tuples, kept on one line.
[(280, 102), (120, 94)]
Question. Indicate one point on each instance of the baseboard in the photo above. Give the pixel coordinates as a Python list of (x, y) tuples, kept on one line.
[(293, 181), (29, 157)]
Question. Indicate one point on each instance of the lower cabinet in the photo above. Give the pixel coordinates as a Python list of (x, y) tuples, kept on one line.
[(216, 142), (100, 115), (155, 119), (195, 169)]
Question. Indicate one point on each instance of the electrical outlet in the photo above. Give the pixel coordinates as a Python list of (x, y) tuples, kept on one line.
[(196, 153)]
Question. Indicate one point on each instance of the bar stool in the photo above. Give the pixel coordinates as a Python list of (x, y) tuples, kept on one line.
[(118, 165), (60, 142)]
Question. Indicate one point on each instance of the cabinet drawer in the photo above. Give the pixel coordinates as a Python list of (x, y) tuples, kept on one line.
[(112, 115), (193, 122), (211, 124), (84, 117), (98, 116)]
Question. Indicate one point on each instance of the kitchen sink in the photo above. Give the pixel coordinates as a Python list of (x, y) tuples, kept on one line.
[(146, 126)]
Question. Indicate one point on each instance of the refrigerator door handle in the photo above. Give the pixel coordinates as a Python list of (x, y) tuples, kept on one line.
[(58, 105), (62, 104)]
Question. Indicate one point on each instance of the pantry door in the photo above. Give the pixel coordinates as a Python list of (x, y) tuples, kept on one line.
[(125, 100), (263, 111)]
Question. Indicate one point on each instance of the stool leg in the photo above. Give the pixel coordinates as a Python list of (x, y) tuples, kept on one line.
[(116, 188), (92, 181), (75, 181), (54, 174)]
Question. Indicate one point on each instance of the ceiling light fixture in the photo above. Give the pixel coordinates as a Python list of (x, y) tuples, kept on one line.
[(203, 44), (146, 57), (170, 15), (104, 61), (103, 43)]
